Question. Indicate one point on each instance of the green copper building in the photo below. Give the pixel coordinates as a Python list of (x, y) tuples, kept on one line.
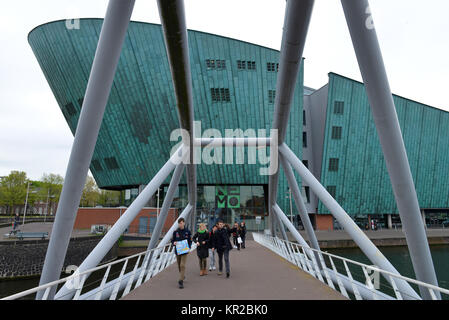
[(234, 84)]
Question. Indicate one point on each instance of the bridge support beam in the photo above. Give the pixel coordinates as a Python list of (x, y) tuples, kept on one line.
[(359, 237), (366, 46), (166, 206), (173, 22), (299, 203), (106, 243), (296, 25), (99, 85)]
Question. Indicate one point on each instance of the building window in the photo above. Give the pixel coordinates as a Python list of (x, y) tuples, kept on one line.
[(339, 107), (97, 165), (336, 133), (241, 64), (215, 64), (251, 65), (307, 191), (111, 163), (303, 117), (221, 64), (271, 67), (271, 96), (332, 190), (220, 94), (333, 164), (304, 139), (305, 163), (70, 108)]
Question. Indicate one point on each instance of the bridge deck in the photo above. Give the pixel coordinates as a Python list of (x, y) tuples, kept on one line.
[(256, 273)]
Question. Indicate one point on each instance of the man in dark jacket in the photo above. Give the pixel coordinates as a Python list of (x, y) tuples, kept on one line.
[(180, 234), (223, 246)]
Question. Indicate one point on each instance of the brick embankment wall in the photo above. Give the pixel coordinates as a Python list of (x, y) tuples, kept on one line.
[(26, 258)]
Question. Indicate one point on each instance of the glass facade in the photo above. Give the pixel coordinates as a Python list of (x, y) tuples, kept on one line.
[(230, 203)]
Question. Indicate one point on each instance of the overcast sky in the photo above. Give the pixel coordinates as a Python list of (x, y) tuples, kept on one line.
[(35, 138)]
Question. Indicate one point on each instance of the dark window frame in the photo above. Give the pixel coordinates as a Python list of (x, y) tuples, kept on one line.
[(339, 107), (336, 132), (333, 164)]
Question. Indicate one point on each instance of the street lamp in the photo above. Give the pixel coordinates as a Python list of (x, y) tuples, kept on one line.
[(26, 201)]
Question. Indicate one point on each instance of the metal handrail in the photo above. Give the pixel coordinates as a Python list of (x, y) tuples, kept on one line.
[(159, 262), (284, 249)]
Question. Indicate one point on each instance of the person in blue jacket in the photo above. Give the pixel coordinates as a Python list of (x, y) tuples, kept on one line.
[(180, 234)]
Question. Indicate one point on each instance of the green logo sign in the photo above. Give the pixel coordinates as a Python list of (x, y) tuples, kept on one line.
[(227, 196)]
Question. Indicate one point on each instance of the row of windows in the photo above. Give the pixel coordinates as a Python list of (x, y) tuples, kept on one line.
[(215, 64), (242, 64), (111, 164), (220, 94), (271, 66)]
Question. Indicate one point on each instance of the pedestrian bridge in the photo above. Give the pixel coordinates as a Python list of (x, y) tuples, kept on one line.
[(268, 269), (257, 273)]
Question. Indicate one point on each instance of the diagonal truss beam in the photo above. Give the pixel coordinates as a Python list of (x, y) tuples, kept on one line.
[(359, 237), (110, 238), (173, 22), (296, 24), (166, 206), (367, 49), (110, 43), (299, 202)]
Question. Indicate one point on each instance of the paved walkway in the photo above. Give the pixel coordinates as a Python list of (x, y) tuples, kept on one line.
[(256, 274)]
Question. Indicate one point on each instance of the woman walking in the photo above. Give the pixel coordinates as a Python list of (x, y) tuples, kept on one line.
[(236, 234), (211, 246), (201, 238), (243, 233)]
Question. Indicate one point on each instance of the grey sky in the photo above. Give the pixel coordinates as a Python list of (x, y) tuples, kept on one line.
[(35, 138)]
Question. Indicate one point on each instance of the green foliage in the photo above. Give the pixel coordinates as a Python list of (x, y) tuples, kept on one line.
[(91, 193), (13, 189)]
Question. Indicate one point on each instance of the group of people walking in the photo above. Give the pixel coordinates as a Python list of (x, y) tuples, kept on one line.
[(208, 243)]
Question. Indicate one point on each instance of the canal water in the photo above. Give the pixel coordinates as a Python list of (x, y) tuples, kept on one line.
[(398, 256)]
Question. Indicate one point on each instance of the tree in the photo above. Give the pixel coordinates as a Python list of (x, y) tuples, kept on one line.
[(108, 198), (13, 189), (50, 188), (91, 193)]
